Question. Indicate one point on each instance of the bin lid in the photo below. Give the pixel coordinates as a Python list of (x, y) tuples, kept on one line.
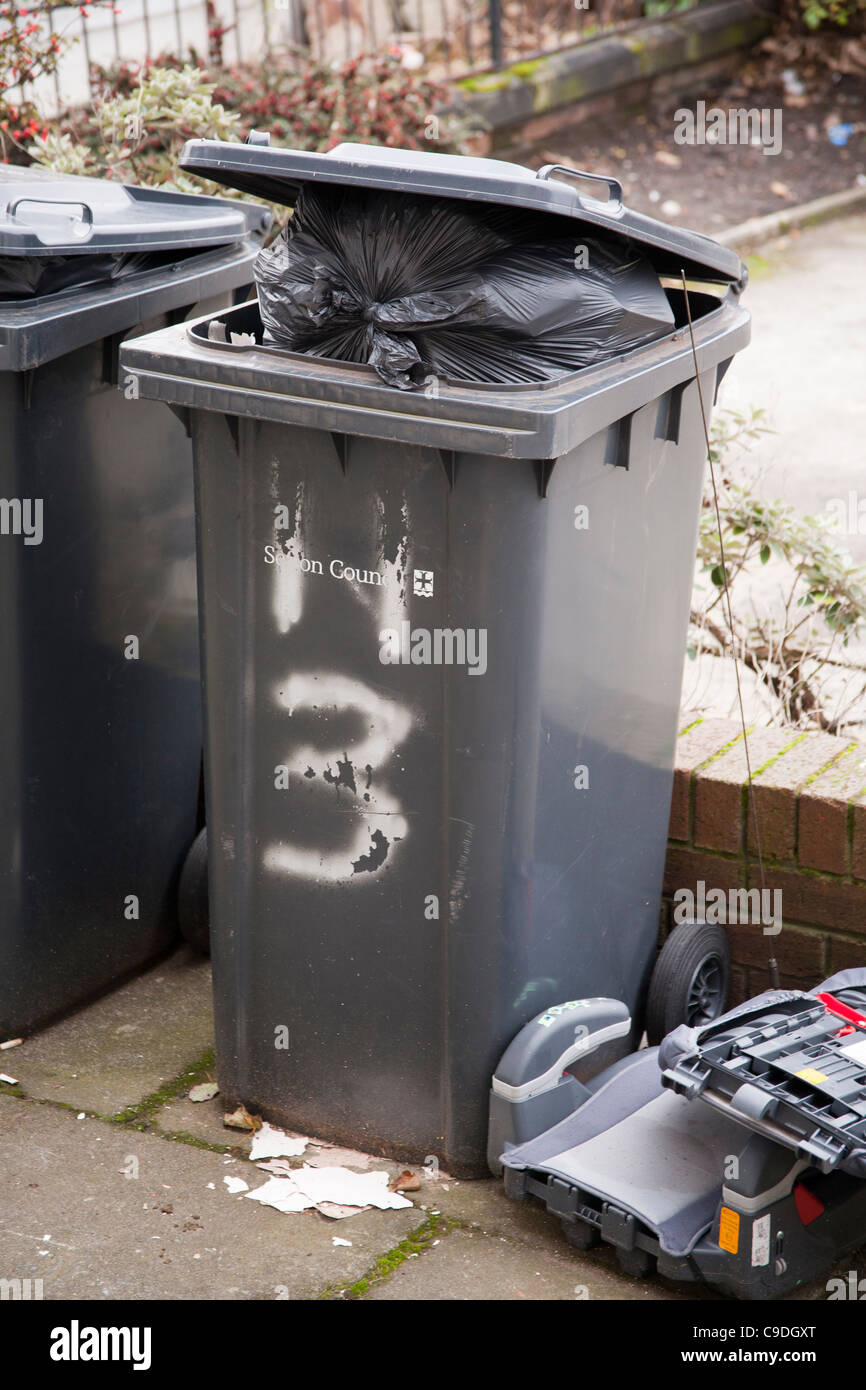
[(279, 174), (48, 214)]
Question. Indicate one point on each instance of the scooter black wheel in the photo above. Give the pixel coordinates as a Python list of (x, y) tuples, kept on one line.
[(690, 981), (580, 1234), (192, 896)]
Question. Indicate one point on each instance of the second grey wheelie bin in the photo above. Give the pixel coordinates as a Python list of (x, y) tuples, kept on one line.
[(443, 639), (100, 713)]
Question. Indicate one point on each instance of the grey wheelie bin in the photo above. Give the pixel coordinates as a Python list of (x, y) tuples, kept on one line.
[(443, 637), (100, 723)]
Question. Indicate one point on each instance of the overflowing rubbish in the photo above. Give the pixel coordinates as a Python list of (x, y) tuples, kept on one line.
[(420, 287)]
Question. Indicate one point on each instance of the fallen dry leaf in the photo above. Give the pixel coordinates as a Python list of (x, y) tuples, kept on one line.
[(781, 190), (242, 1119), (405, 1182), (673, 161)]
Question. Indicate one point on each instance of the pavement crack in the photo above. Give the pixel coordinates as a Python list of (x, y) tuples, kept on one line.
[(412, 1246)]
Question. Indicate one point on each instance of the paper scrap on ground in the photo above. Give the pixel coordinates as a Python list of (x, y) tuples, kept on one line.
[(206, 1091), (10, 1080), (338, 1240), (338, 1189), (236, 1185), (282, 1194), (270, 1142), (331, 1156)]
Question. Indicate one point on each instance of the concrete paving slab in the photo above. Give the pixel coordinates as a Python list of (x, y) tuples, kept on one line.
[(469, 1265), (804, 367), (125, 1046), (202, 1120), (70, 1216)]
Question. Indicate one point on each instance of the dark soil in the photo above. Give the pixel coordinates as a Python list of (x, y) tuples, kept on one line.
[(711, 187)]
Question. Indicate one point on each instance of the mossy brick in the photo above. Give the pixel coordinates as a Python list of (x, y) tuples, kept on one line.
[(845, 954), (817, 899), (800, 954), (719, 799), (686, 868), (776, 789), (695, 745), (823, 813)]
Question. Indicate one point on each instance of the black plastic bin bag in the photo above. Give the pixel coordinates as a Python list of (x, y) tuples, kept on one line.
[(418, 287)]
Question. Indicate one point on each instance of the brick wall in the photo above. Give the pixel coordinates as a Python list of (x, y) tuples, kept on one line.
[(810, 805)]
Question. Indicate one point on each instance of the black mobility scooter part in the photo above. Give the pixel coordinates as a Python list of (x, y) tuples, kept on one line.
[(690, 981), (712, 1192), (794, 1072)]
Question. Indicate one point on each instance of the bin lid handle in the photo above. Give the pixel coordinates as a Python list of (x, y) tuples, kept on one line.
[(613, 185), (49, 234)]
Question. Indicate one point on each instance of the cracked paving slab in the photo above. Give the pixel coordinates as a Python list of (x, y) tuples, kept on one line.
[(70, 1216)]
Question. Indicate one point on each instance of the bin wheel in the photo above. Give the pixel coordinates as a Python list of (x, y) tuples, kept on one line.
[(580, 1235), (690, 981), (192, 896), (514, 1182), (637, 1263)]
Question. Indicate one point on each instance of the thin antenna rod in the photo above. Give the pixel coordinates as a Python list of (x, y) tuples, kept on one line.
[(772, 963)]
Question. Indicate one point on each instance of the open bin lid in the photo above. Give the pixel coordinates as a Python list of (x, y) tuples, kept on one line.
[(279, 174), (47, 214)]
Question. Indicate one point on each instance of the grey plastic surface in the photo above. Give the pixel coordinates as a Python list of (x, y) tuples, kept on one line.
[(549, 421), (511, 1124), (277, 174), (412, 788), (556, 1040), (531, 1091), (662, 1164), (48, 214), (100, 739)]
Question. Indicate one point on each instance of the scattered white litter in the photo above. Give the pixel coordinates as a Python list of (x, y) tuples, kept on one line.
[(10, 1080), (338, 1240), (281, 1194), (81, 1115), (280, 1167), (243, 339), (11, 1042), (212, 1186), (216, 331), (339, 1190), (206, 1091), (269, 1142), (331, 1156), (236, 1185)]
